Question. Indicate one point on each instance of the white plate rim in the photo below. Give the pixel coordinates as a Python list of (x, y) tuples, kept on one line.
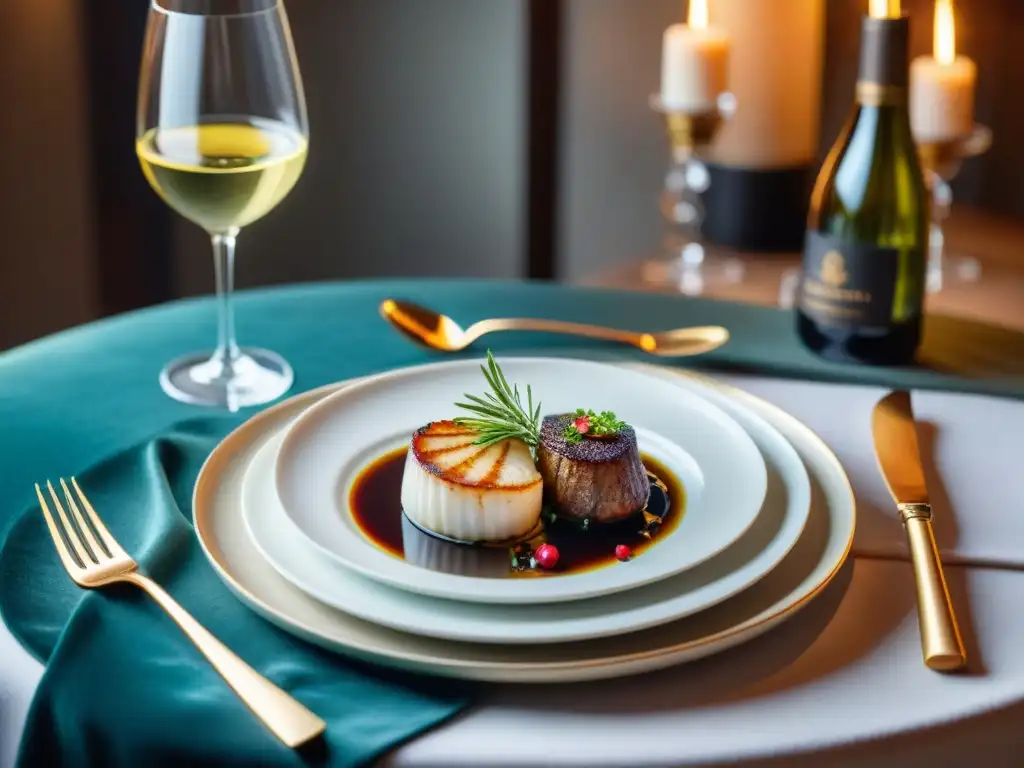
[(380, 566), (496, 671), (349, 592)]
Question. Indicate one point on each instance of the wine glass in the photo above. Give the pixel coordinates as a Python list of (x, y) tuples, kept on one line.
[(222, 137)]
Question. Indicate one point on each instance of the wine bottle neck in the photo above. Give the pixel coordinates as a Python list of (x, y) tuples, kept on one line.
[(884, 72), (876, 95)]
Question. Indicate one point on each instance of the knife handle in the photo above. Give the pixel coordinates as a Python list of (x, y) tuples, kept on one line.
[(941, 643)]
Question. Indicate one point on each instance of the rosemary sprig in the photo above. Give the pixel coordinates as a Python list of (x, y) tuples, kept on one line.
[(499, 414)]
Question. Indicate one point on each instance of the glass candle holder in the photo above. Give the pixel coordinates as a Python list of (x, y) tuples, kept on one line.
[(942, 162), (685, 262)]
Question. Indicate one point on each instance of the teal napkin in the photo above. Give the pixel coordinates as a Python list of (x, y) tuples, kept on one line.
[(123, 686)]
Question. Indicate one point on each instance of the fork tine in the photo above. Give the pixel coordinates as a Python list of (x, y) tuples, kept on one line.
[(105, 536), (90, 540), (69, 562), (69, 530)]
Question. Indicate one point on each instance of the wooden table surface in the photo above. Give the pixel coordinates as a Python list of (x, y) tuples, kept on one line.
[(996, 298)]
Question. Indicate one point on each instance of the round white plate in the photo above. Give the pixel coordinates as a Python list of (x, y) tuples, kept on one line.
[(802, 574), (324, 451), (778, 527)]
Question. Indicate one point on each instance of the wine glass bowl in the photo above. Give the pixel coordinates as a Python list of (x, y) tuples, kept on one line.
[(223, 176), (222, 137)]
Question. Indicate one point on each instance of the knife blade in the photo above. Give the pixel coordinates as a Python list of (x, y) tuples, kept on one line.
[(899, 459), (897, 451)]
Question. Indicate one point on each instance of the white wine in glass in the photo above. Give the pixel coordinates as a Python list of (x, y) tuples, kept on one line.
[(223, 176), (222, 137)]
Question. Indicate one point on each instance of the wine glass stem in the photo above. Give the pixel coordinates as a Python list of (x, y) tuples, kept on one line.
[(227, 352), (942, 200)]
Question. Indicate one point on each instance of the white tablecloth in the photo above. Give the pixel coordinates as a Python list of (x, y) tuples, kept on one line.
[(973, 449), (850, 662)]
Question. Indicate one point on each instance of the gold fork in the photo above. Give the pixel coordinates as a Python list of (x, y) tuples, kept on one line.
[(94, 566)]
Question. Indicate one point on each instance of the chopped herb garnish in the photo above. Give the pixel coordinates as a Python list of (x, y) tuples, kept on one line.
[(586, 423)]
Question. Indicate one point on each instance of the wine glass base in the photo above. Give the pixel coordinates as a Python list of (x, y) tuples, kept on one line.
[(694, 279), (256, 377), (952, 272), (789, 287)]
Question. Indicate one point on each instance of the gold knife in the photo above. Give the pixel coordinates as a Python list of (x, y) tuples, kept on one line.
[(900, 462)]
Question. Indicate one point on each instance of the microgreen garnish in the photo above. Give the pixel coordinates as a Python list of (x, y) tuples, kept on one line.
[(586, 423), (499, 413)]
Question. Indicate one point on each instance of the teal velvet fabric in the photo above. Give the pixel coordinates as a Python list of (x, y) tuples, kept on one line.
[(123, 686)]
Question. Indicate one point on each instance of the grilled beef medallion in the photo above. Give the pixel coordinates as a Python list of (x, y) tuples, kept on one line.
[(600, 479)]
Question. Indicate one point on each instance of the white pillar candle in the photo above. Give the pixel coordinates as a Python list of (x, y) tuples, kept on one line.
[(694, 63), (942, 86)]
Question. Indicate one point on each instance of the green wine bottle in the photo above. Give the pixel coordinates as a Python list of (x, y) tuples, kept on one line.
[(863, 285)]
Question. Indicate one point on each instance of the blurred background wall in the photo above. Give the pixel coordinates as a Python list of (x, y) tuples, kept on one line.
[(504, 138), (417, 151), (48, 277)]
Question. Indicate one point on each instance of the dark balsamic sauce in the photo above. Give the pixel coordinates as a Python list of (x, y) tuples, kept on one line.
[(376, 506)]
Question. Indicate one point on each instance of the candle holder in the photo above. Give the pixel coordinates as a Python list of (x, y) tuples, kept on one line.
[(941, 162), (688, 266)]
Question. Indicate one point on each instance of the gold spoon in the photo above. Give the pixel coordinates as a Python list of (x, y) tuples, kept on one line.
[(441, 332)]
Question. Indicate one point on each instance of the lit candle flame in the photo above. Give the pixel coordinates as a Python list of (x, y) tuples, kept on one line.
[(945, 32), (885, 9), (698, 18)]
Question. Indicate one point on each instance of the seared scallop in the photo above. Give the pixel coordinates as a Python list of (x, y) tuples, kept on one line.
[(458, 489)]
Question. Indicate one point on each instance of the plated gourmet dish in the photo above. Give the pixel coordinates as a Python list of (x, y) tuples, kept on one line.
[(503, 491)]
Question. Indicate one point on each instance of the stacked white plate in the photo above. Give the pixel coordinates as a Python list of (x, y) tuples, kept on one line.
[(768, 521)]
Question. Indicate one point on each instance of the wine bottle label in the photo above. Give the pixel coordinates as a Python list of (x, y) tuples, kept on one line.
[(847, 284)]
